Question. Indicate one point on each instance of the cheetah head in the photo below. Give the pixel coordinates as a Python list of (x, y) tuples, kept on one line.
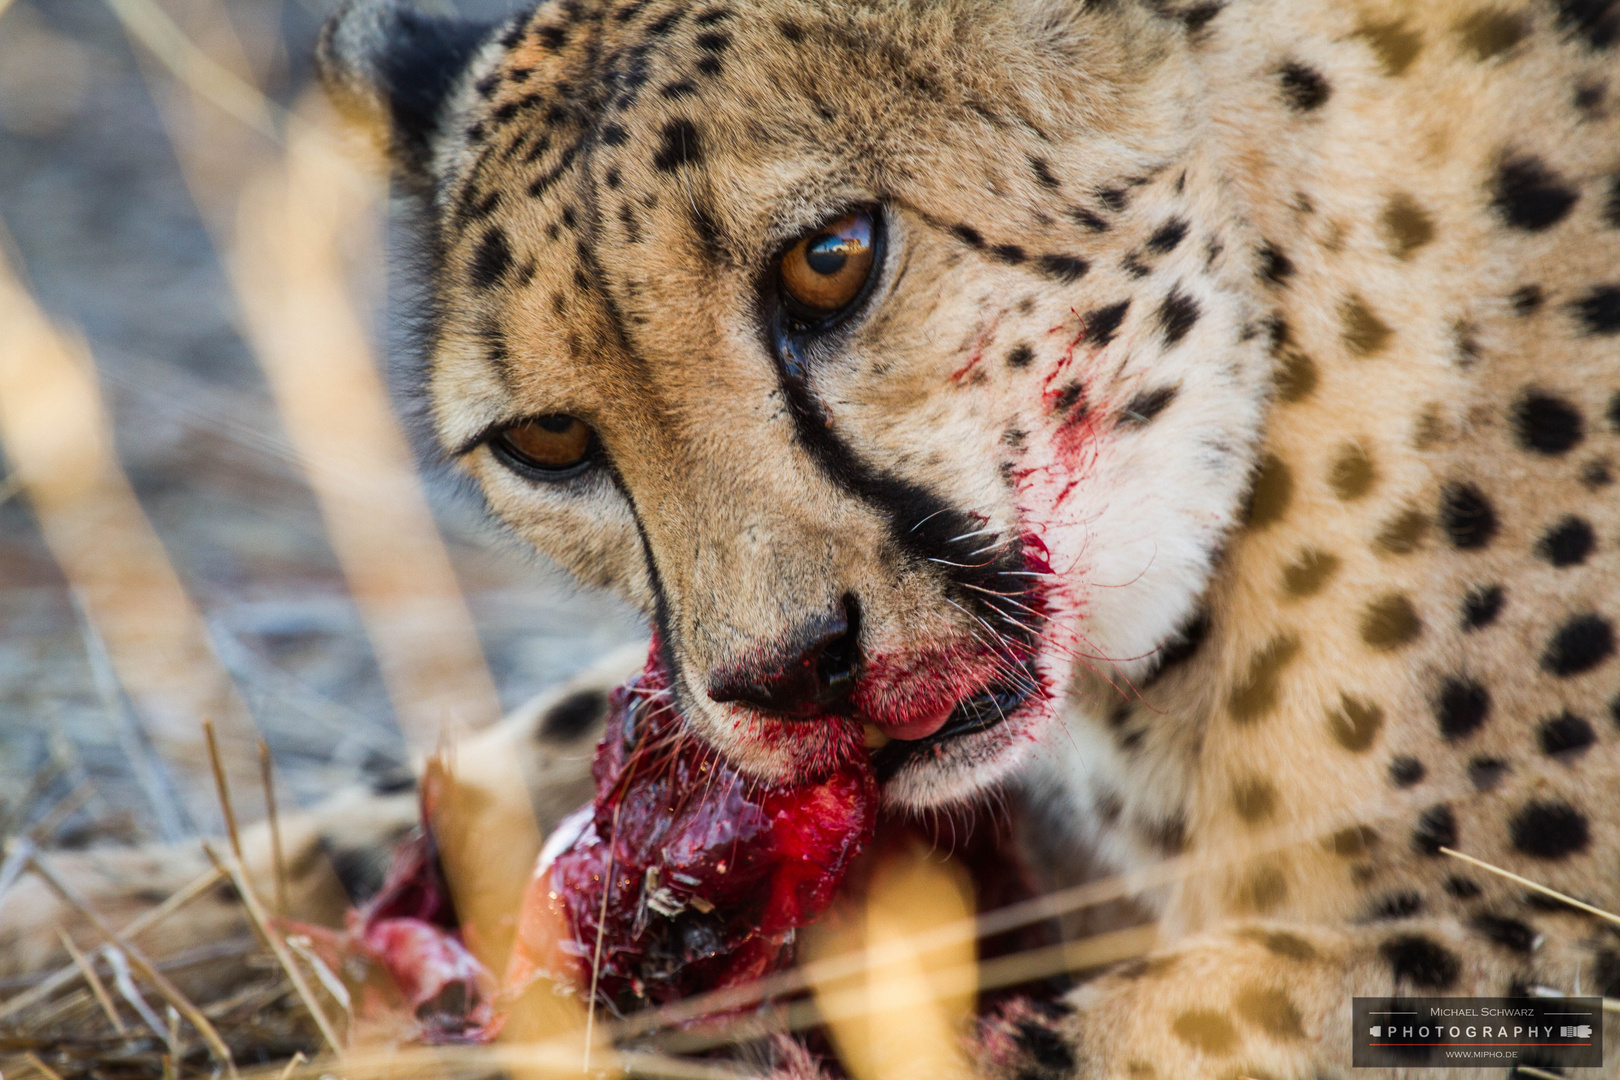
[(898, 360)]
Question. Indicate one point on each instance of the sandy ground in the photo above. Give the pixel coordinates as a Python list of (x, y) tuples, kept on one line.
[(98, 216)]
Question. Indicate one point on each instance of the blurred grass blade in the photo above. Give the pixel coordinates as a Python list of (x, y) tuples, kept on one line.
[(58, 438)]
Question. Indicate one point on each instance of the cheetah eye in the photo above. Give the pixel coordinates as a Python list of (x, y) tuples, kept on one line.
[(826, 270), (550, 447)]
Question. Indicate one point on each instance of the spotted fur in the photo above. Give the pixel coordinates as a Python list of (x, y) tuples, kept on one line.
[(1245, 377)]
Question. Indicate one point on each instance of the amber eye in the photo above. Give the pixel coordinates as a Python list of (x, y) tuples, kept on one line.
[(549, 444), (823, 273)]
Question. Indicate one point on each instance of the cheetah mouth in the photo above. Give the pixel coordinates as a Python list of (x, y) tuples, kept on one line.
[(986, 711)]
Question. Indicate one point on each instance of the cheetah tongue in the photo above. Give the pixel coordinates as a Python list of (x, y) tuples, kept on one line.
[(692, 877)]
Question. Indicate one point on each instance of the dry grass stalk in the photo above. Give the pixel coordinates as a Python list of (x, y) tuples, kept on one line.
[(1535, 1073), (94, 982), (18, 854), (222, 787), (261, 925), (1067, 958), (56, 434), (63, 810), (1527, 883), (63, 977), (531, 1059), (278, 858), (328, 979), (39, 1065), (138, 960), (293, 1064), (149, 24)]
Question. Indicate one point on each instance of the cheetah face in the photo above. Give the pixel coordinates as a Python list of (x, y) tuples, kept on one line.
[(896, 390)]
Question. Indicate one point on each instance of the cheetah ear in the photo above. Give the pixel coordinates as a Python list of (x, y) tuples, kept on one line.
[(388, 62)]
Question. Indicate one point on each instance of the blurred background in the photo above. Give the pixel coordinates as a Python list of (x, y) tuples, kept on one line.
[(128, 134)]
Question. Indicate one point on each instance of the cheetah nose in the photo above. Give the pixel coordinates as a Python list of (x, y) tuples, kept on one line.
[(811, 676)]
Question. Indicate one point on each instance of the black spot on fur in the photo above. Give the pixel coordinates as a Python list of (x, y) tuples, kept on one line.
[(1088, 218), (1275, 267), (1611, 205), (542, 183), (1303, 88), (1198, 16), (573, 716), (491, 260), (632, 228), (968, 235), (1580, 645), (1177, 315), (708, 232), (1020, 356), (1064, 268), (1436, 828), (1529, 195), (1150, 403), (1481, 606), (1420, 961), (1179, 649), (1043, 173), (1008, 253), (614, 135), (1485, 773), (1597, 22), (1566, 735), (1103, 323), (715, 41), (1167, 237), (472, 211), (1406, 771), (681, 145), (1526, 299), (1113, 198), (1069, 396), (1461, 707), (1550, 829), (1599, 310), (1547, 424), (1491, 33), (1467, 516), (1568, 543), (1046, 1047), (677, 90), (1509, 933), (790, 30), (1401, 905), (665, 23), (1462, 888), (1169, 835)]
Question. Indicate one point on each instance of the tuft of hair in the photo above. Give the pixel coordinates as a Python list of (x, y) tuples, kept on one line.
[(385, 62)]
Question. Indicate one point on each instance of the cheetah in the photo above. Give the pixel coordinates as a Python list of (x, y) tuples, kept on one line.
[(1199, 417)]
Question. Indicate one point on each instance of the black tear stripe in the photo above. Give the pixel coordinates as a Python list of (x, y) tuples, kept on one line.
[(924, 526)]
